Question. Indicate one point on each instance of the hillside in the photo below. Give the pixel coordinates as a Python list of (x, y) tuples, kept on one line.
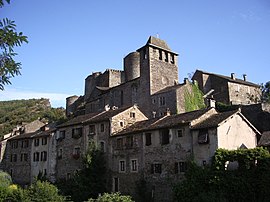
[(15, 112)]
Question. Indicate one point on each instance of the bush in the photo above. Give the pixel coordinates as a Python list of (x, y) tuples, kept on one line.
[(115, 197), (44, 191)]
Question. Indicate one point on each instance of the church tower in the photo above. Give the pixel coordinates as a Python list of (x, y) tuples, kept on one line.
[(158, 65)]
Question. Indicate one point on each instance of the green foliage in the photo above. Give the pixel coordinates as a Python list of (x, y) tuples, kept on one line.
[(221, 107), (91, 180), (266, 92), (249, 182), (44, 191), (113, 197), (15, 112), (9, 39), (194, 99), (5, 179)]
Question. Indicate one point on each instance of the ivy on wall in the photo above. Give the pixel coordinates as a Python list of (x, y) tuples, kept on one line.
[(194, 99)]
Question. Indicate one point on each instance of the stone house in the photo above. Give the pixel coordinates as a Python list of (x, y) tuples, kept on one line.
[(157, 150), (74, 135), (30, 154), (149, 79), (228, 90)]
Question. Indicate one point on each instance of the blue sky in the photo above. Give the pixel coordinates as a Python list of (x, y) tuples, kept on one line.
[(68, 40)]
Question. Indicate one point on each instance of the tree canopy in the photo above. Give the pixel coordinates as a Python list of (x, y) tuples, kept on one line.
[(9, 39), (266, 92)]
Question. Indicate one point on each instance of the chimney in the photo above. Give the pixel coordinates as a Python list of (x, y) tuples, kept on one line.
[(211, 102), (168, 112), (233, 76), (245, 77), (186, 80)]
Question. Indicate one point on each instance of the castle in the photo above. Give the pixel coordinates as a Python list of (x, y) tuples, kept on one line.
[(138, 118)]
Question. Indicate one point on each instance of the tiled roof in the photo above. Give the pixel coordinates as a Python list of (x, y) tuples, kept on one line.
[(93, 117), (23, 136), (169, 88), (265, 139), (236, 80), (158, 42), (214, 120), (164, 122), (77, 120)]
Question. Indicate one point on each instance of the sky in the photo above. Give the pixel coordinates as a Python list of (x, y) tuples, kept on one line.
[(69, 40)]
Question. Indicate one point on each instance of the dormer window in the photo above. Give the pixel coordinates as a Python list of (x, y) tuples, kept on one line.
[(76, 133)]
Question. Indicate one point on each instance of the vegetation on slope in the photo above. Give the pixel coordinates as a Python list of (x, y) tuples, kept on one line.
[(16, 112)]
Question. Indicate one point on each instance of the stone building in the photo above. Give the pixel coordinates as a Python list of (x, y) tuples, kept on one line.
[(74, 135), (157, 150), (228, 90), (149, 79), (30, 153)]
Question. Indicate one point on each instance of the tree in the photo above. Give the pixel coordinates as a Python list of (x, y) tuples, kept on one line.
[(9, 39), (91, 180), (266, 92)]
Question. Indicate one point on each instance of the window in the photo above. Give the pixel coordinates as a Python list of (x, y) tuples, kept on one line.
[(172, 59), (44, 140), (165, 137), (153, 101), (14, 144), (76, 133), (43, 156), (156, 168), (133, 165), (24, 157), (119, 143), (102, 146), (121, 123), (203, 136), (91, 129), (162, 101), (36, 156), (148, 140), (60, 153), (144, 54), (180, 167), (25, 143), (160, 54), (36, 142), (129, 141), (102, 127), (61, 135), (122, 166), (13, 158), (132, 114), (180, 132), (116, 184), (166, 57), (76, 153)]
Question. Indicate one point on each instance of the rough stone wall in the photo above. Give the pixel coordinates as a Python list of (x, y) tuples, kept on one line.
[(52, 157), (67, 165), (243, 94), (220, 87), (115, 77), (160, 109), (160, 184), (162, 73), (180, 97), (39, 166), (203, 152), (19, 170), (126, 119)]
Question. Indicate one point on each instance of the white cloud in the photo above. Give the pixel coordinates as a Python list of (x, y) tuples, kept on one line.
[(56, 99)]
